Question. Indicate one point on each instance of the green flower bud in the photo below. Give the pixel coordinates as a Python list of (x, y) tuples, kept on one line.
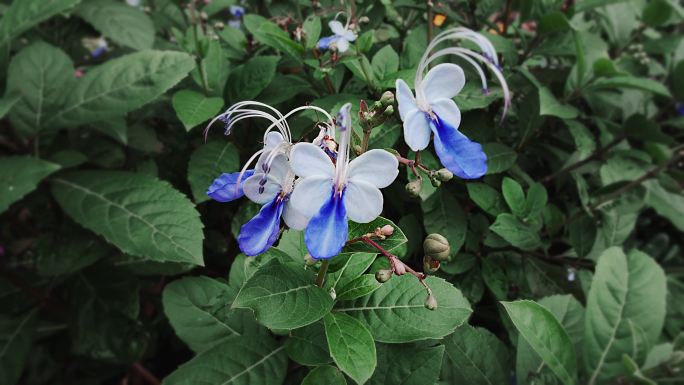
[(431, 302), (387, 98), (357, 149), (413, 187), (389, 111), (309, 260), (444, 175), (435, 182), (437, 247), (383, 275)]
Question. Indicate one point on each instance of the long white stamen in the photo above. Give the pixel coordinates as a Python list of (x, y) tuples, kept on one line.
[(343, 151)]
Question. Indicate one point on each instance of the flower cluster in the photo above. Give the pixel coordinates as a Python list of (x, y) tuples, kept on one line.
[(317, 187)]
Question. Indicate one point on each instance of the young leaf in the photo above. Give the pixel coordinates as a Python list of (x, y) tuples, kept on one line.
[(515, 232), (629, 82), (351, 346), (25, 14), (625, 288), (385, 62), (442, 214), (194, 108), (514, 196), (487, 198), (19, 175), (284, 297), (240, 361), (546, 336), (142, 216), (396, 311), (207, 163), (312, 29), (122, 23), (121, 85), (267, 32), (475, 356)]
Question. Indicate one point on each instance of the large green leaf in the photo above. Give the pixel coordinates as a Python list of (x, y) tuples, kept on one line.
[(668, 204), (15, 344), (198, 308), (351, 346), (39, 74), (308, 345), (122, 85), (326, 374), (239, 361), (22, 15), (442, 214), (346, 267), (194, 108), (407, 364), (546, 336), (267, 32), (284, 297), (248, 80), (396, 311), (626, 289), (630, 82), (19, 175), (515, 232), (142, 216), (207, 163), (122, 23), (475, 356)]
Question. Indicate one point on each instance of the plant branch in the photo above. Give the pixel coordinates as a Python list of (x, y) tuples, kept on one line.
[(595, 155), (320, 278)]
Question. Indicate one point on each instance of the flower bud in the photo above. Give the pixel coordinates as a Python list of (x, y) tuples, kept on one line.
[(219, 25), (333, 294), (435, 182), (431, 302), (436, 247), (387, 98), (383, 275), (430, 266), (399, 267), (309, 260), (444, 175), (358, 149), (413, 188), (389, 111), (387, 230)]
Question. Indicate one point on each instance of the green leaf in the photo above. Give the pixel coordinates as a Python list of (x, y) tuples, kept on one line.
[(122, 85), (549, 105), (308, 346), (15, 345), (194, 108), (120, 22), (248, 80), (198, 308), (240, 361), (284, 297), (475, 356), (629, 82), (625, 288), (407, 364), (514, 196), (390, 243), (396, 311), (442, 214), (351, 346), (656, 13), (499, 157), (207, 163), (326, 374), (546, 336), (19, 175), (515, 232), (7, 103), (359, 287), (346, 267), (23, 15), (284, 88), (140, 215), (665, 203), (536, 200), (487, 198), (39, 74), (385, 62), (312, 29), (269, 33), (582, 235)]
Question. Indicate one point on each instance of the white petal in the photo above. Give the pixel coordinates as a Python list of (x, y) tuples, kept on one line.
[(279, 168), (342, 45), (272, 139), (293, 218), (349, 35), (377, 167), (417, 130), (253, 188), (443, 81), (307, 159), (405, 99), (310, 193), (336, 27), (448, 111), (363, 201)]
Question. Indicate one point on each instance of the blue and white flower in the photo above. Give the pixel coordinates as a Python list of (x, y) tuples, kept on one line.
[(433, 112), (341, 38), (330, 192), (271, 181)]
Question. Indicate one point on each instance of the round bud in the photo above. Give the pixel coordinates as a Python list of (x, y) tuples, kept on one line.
[(430, 266), (389, 111), (435, 182), (383, 275), (333, 293), (444, 175), (219, 25), (399, 267), (309, 260), (431, 302), (387, 98), (357, 149), (387, 230), (413, 187), (437, 247)]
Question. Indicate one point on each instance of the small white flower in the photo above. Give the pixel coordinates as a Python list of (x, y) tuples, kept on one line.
[(341, 38)]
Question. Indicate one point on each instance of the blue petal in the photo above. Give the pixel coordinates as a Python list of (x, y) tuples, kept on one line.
[(457, 153), (260, 233), (325, 42), (326, 232), (224, 190)]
